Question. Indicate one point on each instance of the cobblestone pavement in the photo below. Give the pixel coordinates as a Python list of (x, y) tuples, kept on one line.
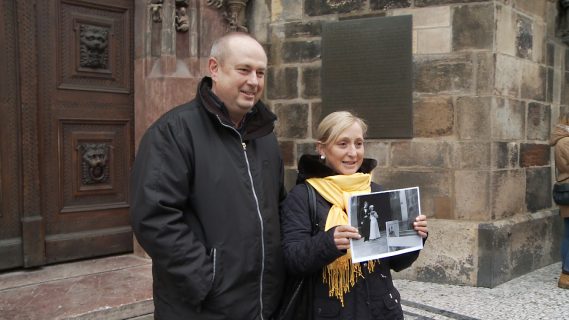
[(120, 287), (532, 296)]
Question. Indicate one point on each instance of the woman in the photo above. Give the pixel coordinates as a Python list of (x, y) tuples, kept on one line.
[(560, 143), (374, 226), (342, 290)]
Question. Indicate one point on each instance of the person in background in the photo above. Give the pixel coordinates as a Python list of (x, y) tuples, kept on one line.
[(560, 143), (342, 290), (207, 183)]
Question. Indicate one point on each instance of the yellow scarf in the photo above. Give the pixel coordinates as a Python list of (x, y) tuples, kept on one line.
[(341, 275)]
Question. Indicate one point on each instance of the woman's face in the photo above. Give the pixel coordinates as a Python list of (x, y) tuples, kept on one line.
[(346, 154)]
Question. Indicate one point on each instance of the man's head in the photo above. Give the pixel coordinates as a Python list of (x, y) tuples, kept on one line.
[(237, 65)]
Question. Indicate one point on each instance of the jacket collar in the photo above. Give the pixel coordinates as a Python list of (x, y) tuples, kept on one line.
[(310, 166), (258, 122)]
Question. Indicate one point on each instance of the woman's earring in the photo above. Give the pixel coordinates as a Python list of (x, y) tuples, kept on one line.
[(322, 157)]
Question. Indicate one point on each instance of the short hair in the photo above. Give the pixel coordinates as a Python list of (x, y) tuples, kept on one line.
[(335, 123), (219, 47)]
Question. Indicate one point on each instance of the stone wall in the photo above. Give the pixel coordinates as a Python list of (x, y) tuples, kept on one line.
[(489, 80)]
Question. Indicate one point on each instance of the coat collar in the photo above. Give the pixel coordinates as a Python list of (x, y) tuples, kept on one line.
[(258, 122), (310, 166)]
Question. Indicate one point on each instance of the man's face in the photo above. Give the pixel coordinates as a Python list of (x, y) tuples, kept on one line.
[(239, 79)]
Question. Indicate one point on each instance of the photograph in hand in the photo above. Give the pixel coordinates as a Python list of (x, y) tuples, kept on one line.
[(385, 222)]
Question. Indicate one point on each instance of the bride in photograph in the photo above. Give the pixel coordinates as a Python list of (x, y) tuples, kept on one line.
[(373, 225)]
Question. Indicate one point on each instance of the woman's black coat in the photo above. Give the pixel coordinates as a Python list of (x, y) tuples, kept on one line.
[(374, 296)]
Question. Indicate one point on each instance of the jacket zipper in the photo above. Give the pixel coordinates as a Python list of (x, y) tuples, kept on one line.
[(244, 146)]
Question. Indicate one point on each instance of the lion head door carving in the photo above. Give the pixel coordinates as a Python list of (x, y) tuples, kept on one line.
[(94, 162), (93, 46)]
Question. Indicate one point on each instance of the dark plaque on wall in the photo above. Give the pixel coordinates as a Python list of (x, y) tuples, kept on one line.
[(367, 68)]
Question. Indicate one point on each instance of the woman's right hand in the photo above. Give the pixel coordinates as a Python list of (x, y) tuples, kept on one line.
[(343, 234)]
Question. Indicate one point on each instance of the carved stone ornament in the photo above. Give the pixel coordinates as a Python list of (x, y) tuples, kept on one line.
[(156, 10), (94, 158), (182, 19), (93, 46), (563, 21), (233, 12)]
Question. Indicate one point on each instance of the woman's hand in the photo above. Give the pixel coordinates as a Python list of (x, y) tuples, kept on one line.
[(420, 225), (343, 234)]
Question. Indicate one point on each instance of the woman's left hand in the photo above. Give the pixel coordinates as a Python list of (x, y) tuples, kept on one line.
[(420, 225)]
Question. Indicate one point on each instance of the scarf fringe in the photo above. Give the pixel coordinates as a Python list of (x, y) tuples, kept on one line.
[(341, 275)]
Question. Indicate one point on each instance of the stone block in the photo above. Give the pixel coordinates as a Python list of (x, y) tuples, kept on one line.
[(303, 29), (305, 148), (290, 178), (550, 54), (507, 76), (565, 89), (377, 150), (316, 108), (473, 117), (287, 152), (433, 41), (389, 4), (510, 248), (443, 207), (311, 82), (504, 155), (427, 17), (284, 10), (472, 198), (534, 79), (524, 37), (282, 83), (535, 8), (485, 66), (538, 189), (550, 85), (505, 30), (301, 51), (539, 119), (411, 154), (428, 3), (539, 45), (322, 7), (509, 119), (432, 185), (292, 120), (551, 12), (473, 155), (433, 116), (507, 188), (450, 254), (532, 155), (473, 27), (449, 74)]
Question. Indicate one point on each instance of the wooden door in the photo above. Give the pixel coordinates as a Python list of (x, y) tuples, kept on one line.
[(85, 126), (11, 252), (66, 128)]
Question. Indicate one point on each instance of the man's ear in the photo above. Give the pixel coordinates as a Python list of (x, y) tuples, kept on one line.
[(213, 67)]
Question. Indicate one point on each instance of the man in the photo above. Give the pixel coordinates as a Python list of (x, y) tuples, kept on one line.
[(206, 186)]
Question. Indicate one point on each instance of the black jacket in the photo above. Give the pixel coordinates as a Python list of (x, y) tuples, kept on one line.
[(374, 296), (204, 206)]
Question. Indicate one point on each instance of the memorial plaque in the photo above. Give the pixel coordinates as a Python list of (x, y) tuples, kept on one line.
[(367, 68)]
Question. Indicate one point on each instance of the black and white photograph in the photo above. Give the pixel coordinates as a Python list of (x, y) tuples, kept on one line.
[(385, 222)]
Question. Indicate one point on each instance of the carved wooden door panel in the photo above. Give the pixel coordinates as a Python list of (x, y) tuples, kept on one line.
[(85, 126), (10, 230)]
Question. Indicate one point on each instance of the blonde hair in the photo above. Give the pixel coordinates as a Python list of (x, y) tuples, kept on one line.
[(335, 123)]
